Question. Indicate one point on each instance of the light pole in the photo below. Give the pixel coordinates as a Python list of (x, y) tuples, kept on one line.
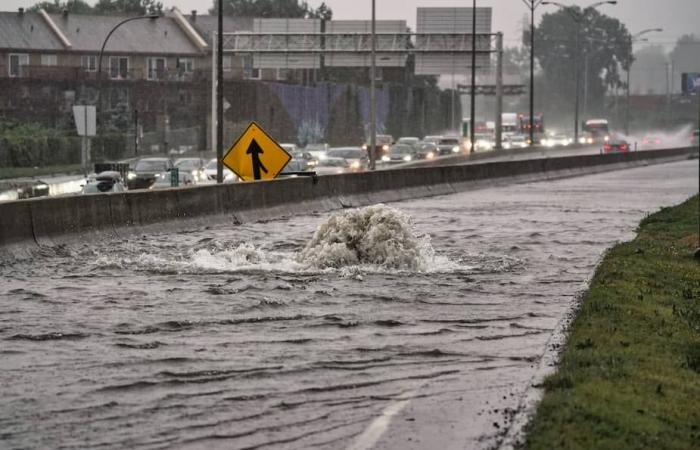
[(472, 108), (532, 5), (372, 94), (102, 50), (578, 17), (633, 38)]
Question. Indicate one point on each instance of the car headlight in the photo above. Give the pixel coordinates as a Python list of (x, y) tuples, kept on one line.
[(590, 140), (407, 158), (582, 140), (455, 149), (607, 138), (364, 147), (131, 176), (385, 147), (355, 165), (430, 155), (157, 176), (386, 158)]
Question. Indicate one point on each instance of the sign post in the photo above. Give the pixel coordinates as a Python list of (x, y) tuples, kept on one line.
[(85, 121), (256, 155), (690, 83)]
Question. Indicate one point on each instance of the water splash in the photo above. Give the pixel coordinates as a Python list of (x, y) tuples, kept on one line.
[(378, 236)]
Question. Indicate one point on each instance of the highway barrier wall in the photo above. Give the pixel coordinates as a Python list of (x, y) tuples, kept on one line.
[(48, 221)]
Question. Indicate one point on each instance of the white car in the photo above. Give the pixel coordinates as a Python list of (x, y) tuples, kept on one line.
[(355, 156), (332, 166), (210, 173), (515, 141)]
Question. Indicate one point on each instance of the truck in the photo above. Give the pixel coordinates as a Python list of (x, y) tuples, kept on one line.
[(595, 131)]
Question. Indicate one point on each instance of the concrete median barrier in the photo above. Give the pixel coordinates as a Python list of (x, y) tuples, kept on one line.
[(52, 220)]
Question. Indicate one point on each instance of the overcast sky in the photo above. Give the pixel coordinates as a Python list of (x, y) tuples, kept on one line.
[(676, 17)]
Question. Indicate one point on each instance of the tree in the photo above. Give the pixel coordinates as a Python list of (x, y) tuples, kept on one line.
[(129, 7), (57, 6), (273, 8), (604, 48)]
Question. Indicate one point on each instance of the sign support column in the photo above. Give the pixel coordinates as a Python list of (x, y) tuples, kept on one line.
[(499, 91), (373, 96)]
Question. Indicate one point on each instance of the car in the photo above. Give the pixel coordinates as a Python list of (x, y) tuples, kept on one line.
[(210, 173), (515, 141), (615, 145), (434, 139), (557, 140), (426, 150), (399, 153), (318, 151), (293, 167), (651, 141), (147, 171), (382, 145), (306, 157), (408, 140), (355, 156), (194, 166), (108, 181), (449, 145), (333, 166), (483, 142), (185, 178)]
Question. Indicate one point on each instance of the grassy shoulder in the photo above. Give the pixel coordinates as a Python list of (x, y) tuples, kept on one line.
[(21, 172), (630, 375)]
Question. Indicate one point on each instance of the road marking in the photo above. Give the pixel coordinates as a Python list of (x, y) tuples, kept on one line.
[(377, 428)]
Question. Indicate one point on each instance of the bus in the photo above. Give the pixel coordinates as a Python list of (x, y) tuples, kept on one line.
[(595, 131)]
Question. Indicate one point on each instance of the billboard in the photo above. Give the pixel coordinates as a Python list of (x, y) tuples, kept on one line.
[(690, 82)]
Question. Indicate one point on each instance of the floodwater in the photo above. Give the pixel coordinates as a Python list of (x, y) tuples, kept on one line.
[(423, 332)]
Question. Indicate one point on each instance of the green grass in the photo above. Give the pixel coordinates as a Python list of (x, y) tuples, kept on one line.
[(629, 377), (21, 172)]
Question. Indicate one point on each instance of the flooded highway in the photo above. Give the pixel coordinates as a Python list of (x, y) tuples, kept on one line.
[(418, 324)]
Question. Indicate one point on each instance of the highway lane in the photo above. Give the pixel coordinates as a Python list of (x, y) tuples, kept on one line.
[(425, 331)]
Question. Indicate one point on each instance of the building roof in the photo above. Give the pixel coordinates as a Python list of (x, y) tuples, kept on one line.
[(27, 31), (160, 36)]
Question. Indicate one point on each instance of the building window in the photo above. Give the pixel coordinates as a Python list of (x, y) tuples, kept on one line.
[(185, 65), (283, 74), (119, 67), (156, 68), (18, 64), (227, 63), (49, 60), (248, 70), (88, 63)]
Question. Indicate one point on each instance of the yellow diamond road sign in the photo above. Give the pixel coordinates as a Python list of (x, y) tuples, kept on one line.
[(256, 156)]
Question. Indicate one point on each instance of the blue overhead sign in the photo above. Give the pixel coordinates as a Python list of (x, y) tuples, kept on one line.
[(691, 82)]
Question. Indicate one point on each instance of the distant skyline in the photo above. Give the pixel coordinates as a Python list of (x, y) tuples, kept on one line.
[(676, 17)]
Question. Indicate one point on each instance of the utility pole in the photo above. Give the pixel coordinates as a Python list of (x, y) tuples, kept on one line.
[(499, 90), (472, 118), (220, 95), (532, 6), (372, 95)]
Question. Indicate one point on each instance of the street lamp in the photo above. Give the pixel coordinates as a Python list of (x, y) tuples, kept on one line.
[(578, 18), (633, 39), (532, 5), (102, 49)]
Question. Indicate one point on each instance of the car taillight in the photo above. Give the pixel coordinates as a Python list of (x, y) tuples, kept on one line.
[(645, 141), (607, 147), (623, 146)]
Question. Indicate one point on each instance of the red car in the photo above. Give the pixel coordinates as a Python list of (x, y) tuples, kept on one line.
[(615, 146), (651, 141)]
